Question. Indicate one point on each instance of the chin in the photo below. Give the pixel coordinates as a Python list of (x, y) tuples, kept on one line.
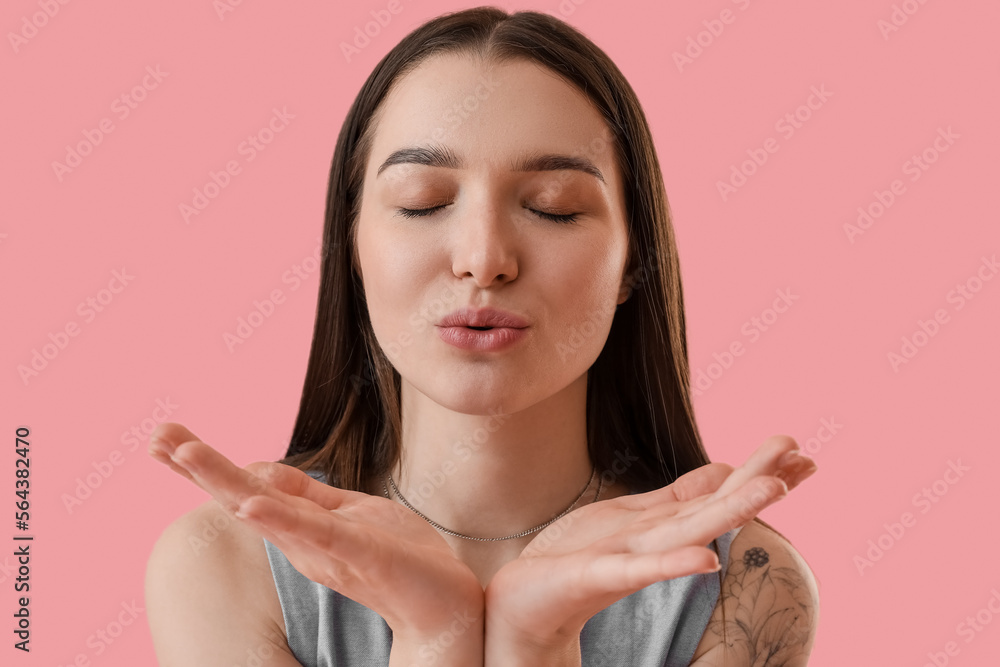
[(479, 392), (475, 399)]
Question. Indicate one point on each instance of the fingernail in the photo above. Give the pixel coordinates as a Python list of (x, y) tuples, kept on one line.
[(187, 465), (160, 447), (789, 457)]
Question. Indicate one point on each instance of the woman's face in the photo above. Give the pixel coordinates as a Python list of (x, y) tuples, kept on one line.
[(489, 244)]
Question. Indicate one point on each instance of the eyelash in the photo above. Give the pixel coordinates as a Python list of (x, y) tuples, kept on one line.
[(422, 212)]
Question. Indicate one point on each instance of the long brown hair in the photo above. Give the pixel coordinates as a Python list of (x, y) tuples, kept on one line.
[(638, 392)]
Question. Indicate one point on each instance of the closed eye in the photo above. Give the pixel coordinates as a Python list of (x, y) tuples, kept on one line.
[(556, 217), (421, 212), (416, 212)]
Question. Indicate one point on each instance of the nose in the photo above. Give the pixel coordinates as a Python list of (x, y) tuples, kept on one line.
[(485, 246)]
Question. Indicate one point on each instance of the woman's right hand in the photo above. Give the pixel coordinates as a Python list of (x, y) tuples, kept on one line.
[(365, 547)]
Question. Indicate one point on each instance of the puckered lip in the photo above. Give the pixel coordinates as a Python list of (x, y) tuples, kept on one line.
[(482, 317)]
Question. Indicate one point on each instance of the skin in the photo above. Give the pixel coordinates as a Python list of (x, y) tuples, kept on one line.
[(487, 246)]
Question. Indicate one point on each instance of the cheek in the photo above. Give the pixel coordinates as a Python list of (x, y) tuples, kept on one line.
[(383, 263), (585, 278), (394, 271), (581, 292)]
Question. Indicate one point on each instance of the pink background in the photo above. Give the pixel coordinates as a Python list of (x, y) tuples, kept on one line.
[(826, 358)]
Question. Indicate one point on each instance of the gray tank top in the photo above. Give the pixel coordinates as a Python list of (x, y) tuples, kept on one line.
[(658, 626)]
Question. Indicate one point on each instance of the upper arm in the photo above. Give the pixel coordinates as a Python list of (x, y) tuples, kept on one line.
[(768, 606), (208, 597)]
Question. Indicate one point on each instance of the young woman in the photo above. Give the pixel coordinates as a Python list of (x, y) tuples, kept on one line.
[(495, 459)]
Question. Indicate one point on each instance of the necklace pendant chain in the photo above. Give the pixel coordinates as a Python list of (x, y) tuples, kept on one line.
[(523, 533)]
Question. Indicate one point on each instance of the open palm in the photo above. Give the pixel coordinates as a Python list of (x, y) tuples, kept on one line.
[(365, 547), (602, 552)]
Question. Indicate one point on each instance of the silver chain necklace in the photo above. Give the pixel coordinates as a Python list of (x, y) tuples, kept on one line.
[(395, 489)]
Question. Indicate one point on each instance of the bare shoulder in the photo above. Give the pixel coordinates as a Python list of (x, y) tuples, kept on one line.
[(210, 595), (768, 607)]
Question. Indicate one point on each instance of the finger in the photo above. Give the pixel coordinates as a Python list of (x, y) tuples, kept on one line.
[(160, 455), (224, 480), (221, 478), (610, 577), (295, 482), (168, 435), (614, 573), (689, 486), (718, 516), (803, 468), (278, 538), (321, 529), (792, 475), (766, 460), (163, 443), (164, 440)]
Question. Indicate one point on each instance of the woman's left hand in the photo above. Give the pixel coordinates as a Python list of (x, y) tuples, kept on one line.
[(538, 603)]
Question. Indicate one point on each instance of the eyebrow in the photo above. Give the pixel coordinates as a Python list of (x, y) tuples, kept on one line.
[(434, 156)]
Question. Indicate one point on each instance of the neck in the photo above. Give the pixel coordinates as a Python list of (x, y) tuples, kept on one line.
[(494, 474)]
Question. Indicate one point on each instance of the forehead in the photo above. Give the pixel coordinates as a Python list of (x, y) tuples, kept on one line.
[(491, 115)]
